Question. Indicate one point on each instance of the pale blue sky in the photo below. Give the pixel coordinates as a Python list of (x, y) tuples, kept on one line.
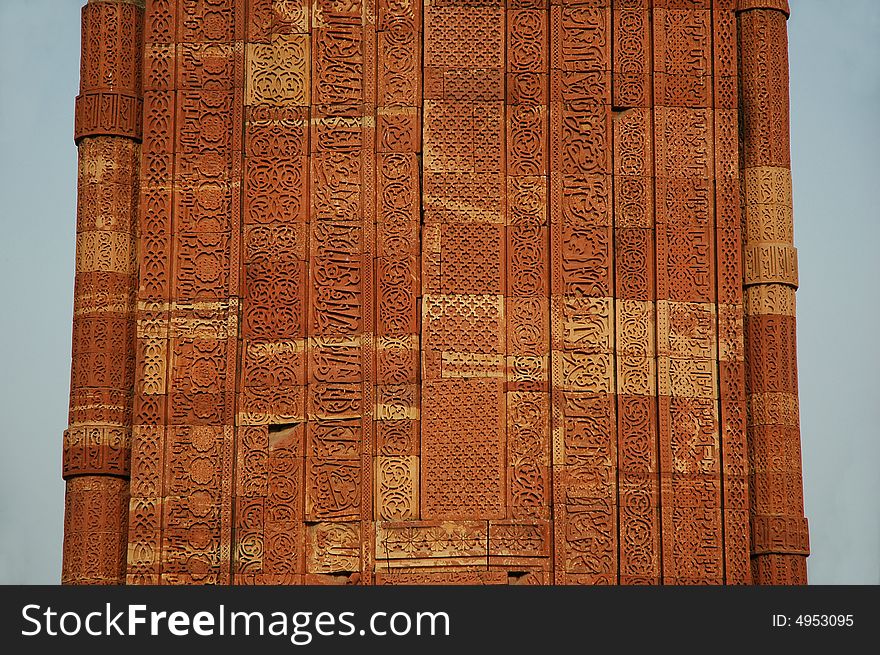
[(835, 95)]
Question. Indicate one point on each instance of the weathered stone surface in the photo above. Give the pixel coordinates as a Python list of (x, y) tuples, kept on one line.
[(434, 292)]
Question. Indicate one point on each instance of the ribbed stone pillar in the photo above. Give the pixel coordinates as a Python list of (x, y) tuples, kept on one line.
[(97, 441), (779, 530)]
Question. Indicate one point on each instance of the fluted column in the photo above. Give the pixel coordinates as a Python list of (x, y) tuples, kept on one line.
[(779, 544), (97, 441)]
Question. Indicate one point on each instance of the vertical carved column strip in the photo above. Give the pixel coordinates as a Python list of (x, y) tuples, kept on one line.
[(687, 358), (377, 401), (269, 539), (728, 253), (339, 362), (527, 302), (204, 295), (463, 283), (780, 541), (395, 462), (584, 427), (638, 466), (97, 442), (154, 293)]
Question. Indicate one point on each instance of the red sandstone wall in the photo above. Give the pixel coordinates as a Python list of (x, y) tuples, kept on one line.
[(446, 292)]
